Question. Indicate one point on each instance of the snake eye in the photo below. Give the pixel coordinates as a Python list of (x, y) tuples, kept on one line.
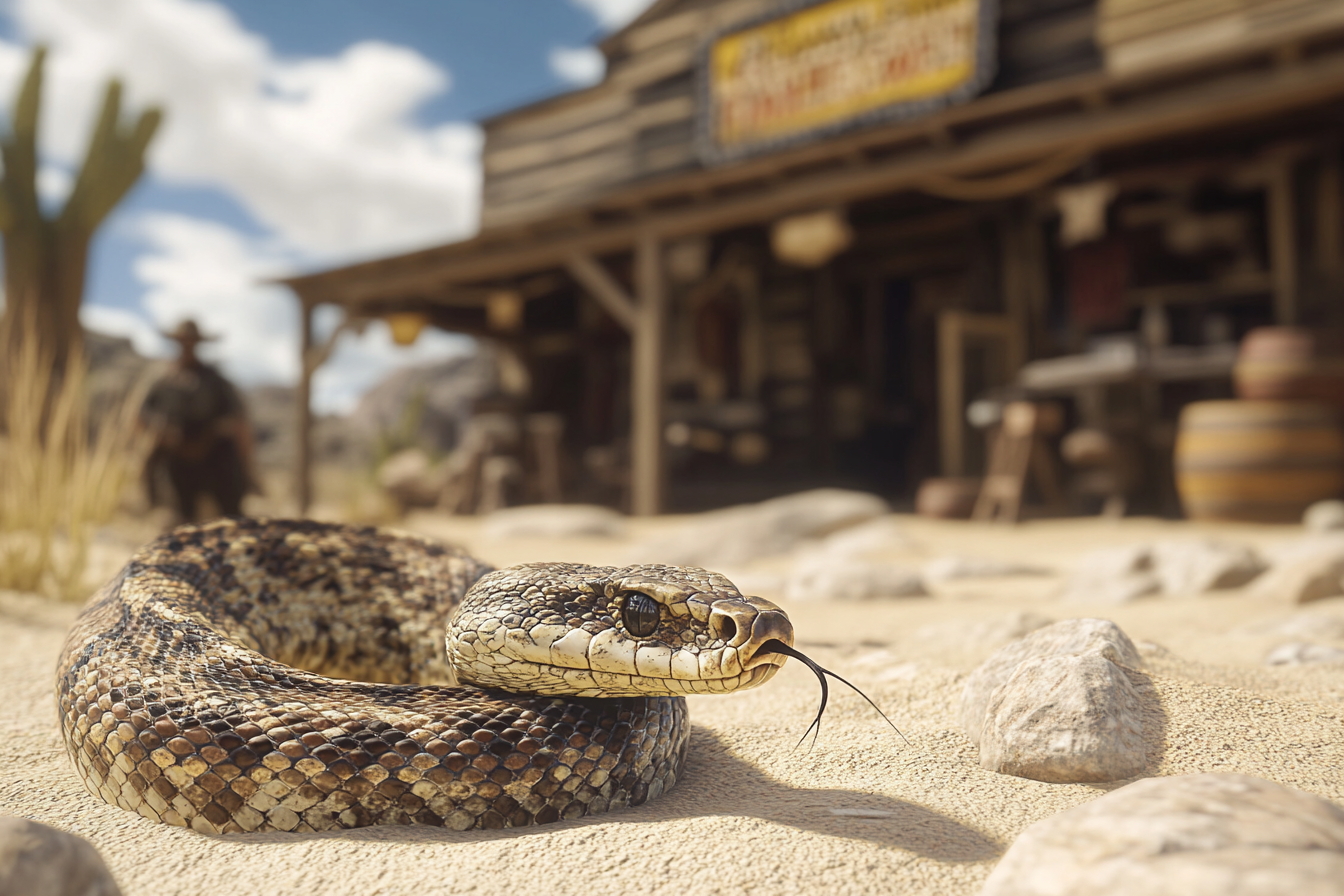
[(640, 614)]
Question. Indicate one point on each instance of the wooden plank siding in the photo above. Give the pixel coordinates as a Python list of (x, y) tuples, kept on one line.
[(639, 123)]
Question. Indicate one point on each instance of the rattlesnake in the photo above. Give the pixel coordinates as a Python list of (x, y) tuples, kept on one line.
[(223, 680)]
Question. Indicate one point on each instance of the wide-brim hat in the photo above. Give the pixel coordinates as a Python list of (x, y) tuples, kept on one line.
[(187, 331)]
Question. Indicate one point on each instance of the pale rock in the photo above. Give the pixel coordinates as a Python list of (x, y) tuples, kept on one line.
[(876, 536), (1324, 516), (945, 569), (1304, 571), (821, 576), (554, 521), (987, 634), (884, 666), (1119, 590), (1191, 568), (1065, 720), (1314, 544), (1171, 568), (43, 861), (1300, 653), (1117, 561), (739, 535), (1189, 835), (1113, 576), (1300, 626), (1063, 638), (411, 478)]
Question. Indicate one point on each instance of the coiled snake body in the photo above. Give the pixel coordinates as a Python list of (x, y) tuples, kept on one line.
[(225, 680)]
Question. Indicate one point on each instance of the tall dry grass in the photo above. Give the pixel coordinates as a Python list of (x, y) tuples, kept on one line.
[(62, 470)]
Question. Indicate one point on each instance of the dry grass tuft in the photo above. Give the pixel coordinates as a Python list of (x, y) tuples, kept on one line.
[(62, 472)]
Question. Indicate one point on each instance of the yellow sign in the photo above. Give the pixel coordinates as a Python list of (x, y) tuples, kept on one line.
[(840, 62)]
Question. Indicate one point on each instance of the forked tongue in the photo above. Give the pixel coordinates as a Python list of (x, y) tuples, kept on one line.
[(774, 645)]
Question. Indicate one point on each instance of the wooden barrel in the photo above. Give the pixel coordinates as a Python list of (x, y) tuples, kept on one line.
[(1258, 461), (1291, 364)]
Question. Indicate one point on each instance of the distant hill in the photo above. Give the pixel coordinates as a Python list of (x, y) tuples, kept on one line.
[(425, 405)]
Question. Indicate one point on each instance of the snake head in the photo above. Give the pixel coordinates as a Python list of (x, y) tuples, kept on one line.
[(558, 629)]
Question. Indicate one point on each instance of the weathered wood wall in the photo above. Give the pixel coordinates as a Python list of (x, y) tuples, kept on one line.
[(639, 122)]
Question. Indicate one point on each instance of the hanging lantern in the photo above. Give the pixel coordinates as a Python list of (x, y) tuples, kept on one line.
[(504, 310), (811, 240), (406, 326)]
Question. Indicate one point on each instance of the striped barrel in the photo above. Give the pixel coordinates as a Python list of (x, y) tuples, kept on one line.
[(1257, 461)]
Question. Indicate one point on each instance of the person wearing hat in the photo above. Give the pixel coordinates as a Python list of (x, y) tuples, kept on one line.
[(202, 438)]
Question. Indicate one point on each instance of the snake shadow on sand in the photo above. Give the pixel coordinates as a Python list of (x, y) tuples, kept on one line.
[(715, 783)]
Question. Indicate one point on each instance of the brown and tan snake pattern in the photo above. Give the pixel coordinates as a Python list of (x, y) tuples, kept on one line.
[(255, 675)]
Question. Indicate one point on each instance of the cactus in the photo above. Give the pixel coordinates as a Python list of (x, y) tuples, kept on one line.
[(45, 256)]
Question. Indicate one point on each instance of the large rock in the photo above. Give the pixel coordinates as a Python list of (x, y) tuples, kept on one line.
[(1302, 626), (1304, 571), (986, 634), (1302, 653), (876, 536), (739, 535), (1170, 568), (822, 576), (37, 860), (1192, 835), (1064, 719), (1186, 569), (1113, 576), (412, 478), (1064, 638), (554, 521), (945, 569)]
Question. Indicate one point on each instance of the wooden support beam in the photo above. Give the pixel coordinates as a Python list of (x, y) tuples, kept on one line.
[(752, 338), (1282, 209), (602, 287), (1330, 219), (303, 416), (1023, 273), (951, 395), (311, 357), (955, 328), (646, 381)]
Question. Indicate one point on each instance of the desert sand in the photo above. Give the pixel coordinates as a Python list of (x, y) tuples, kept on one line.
[(861, 812)]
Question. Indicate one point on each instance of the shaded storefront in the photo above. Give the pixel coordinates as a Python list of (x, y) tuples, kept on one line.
[(787, 244)]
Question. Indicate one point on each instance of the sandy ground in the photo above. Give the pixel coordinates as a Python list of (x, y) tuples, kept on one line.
[(862, 812)]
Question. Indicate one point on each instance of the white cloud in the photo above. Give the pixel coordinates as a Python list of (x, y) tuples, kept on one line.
[(580, 66), (54, 183), (323, 151), (613, 14), (209, 272), (203, 270), (144, 336)]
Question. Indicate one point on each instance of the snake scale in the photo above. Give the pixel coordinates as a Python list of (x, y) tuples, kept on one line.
[(266, 675)]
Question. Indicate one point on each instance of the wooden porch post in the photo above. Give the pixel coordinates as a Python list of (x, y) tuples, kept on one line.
[(303, 481), (642, 316), (1283, 241), (646, 380)]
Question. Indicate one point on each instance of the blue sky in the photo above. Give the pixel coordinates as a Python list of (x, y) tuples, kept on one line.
[(299, 134)]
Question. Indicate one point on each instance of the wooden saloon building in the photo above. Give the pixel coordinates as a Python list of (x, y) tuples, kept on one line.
[(787, 243)]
